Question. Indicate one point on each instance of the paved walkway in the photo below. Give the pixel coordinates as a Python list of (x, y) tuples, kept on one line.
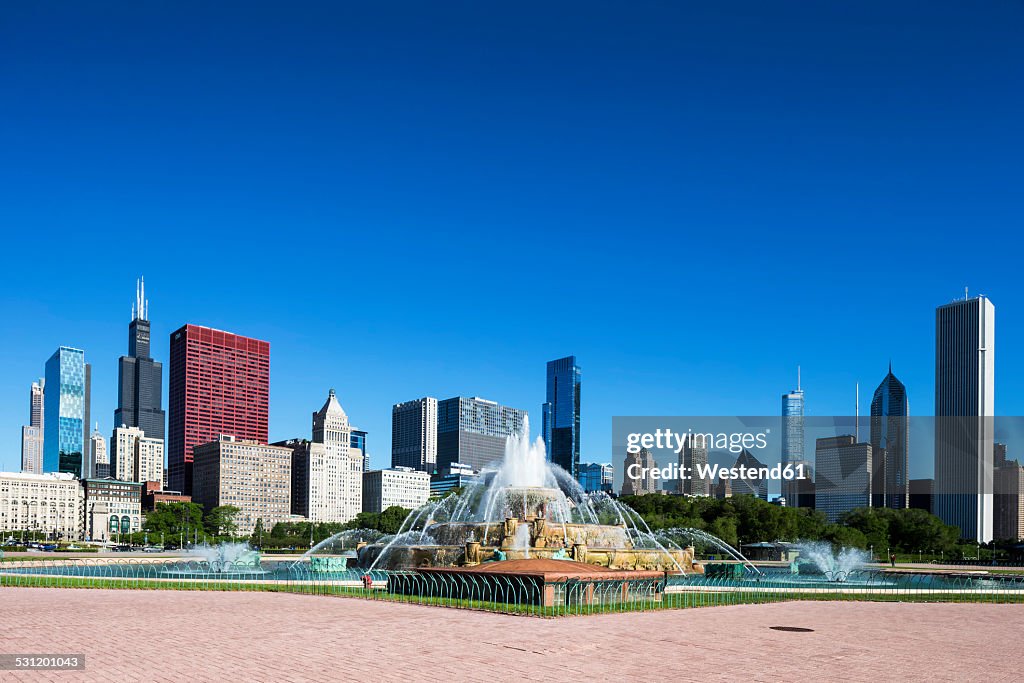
[(210, 636)]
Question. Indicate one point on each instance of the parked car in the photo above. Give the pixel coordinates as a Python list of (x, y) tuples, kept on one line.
[(153, 549)]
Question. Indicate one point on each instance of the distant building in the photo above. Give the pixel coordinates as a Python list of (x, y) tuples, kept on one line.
[(595, 476), (254, 477), (456, 477), (327, 472), (921, 491), (793, 441), (401, 486), (692, 456), (47, 503), (139, 377), (32, 433), (1008, 522), (964, 405), (219, 383), (66, 411), (414, 434), (751, 485), (722, 489), (890, 444), (136, 457), (112, 509), (843, 478), (637, 479), (153, 495), (473, 431), (358, 443), (561, 414), (97, 452)]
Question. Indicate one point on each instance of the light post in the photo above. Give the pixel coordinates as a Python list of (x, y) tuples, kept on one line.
[(872, 550)]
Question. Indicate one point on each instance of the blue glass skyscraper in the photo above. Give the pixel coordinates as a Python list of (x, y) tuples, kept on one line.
[(890, 444), (561, 414), (66, 411)]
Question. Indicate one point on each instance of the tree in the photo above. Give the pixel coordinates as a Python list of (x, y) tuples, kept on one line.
[(175, 519), (220, 521), (256, 540)]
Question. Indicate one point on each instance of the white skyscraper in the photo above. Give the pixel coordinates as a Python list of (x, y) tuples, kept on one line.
[(97, 453), (328, 478), (964, 406), (32, 433)]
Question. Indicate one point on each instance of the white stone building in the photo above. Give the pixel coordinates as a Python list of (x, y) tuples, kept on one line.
[(401, 486), (47, 503)]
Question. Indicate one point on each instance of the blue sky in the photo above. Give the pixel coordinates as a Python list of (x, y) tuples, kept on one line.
[(414, 199)]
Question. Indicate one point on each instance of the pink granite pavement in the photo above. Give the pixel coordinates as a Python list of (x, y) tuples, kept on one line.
[(210, 636)]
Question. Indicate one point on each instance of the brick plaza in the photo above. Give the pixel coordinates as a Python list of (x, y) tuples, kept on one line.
[(214, 636)]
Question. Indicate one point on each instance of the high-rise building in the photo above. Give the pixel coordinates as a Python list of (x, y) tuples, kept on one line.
[(66, 411), (637, 476), (751, 485), (254, 477), (692, 456), (398, 486), (1008, 518), (32, 433), (359, 444), (561, 414), (473, 431), (414, 434), (219, 384), (594, 476), (139, 377), (890, 444), (843, 478), (964, 406), (793, 443), (921, 494), (327, 472), (97, 452)]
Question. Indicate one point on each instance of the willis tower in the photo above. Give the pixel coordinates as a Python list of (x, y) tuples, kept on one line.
[(139, 377)]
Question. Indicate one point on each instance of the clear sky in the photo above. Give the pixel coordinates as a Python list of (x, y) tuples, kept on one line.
[(413, 199)]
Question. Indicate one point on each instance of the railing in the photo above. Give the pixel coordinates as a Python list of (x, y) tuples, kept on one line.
[(512, 594)]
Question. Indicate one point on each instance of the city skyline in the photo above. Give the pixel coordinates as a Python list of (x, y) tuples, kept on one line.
[(561, 182)]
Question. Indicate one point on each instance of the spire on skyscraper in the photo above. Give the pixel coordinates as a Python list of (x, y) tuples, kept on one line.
[(140, 310)]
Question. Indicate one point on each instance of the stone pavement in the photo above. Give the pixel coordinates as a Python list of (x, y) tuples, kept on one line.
[(210, 636)]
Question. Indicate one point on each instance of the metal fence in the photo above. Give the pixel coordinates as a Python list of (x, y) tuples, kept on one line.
[(511, 594)]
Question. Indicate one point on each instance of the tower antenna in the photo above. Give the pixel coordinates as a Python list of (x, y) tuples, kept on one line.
[(856, 413)]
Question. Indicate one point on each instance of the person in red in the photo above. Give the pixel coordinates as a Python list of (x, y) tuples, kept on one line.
[(892, 559)]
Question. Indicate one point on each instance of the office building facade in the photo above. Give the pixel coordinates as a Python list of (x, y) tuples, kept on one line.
[(254, 477), (692, 456), (1008, 502), (473, 431), (66, 411), (964, 406), (890, 444), (113, 509), (637, 479), (32, 433), (594, 476), (843, 475), (398, 486), (414, 434), (219, 383), (97, 453), (561, 414), (49, 504), (139, 377)]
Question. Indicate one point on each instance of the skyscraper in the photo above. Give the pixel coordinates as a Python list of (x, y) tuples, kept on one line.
[(692, 455), (793, 443), (843, 478), (595, 476), (414, 434), (964, 406), (219, 384), (336, 482), (97, 453), (752, 485), (66, 411), (637, 476), (561, 414), (139, 377), (890, 444), (32, 433), (473, 431)]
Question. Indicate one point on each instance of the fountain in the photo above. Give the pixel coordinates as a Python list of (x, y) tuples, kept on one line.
[(522, 507), (226, 559), (819, 558)]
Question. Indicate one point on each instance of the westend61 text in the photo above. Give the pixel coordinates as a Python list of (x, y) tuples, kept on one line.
[(705, 472)]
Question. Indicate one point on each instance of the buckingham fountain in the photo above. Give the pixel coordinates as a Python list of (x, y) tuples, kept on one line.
[(521, 508)]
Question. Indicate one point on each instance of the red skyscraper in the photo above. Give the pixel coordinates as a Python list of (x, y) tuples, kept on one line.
[(219, 384)]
